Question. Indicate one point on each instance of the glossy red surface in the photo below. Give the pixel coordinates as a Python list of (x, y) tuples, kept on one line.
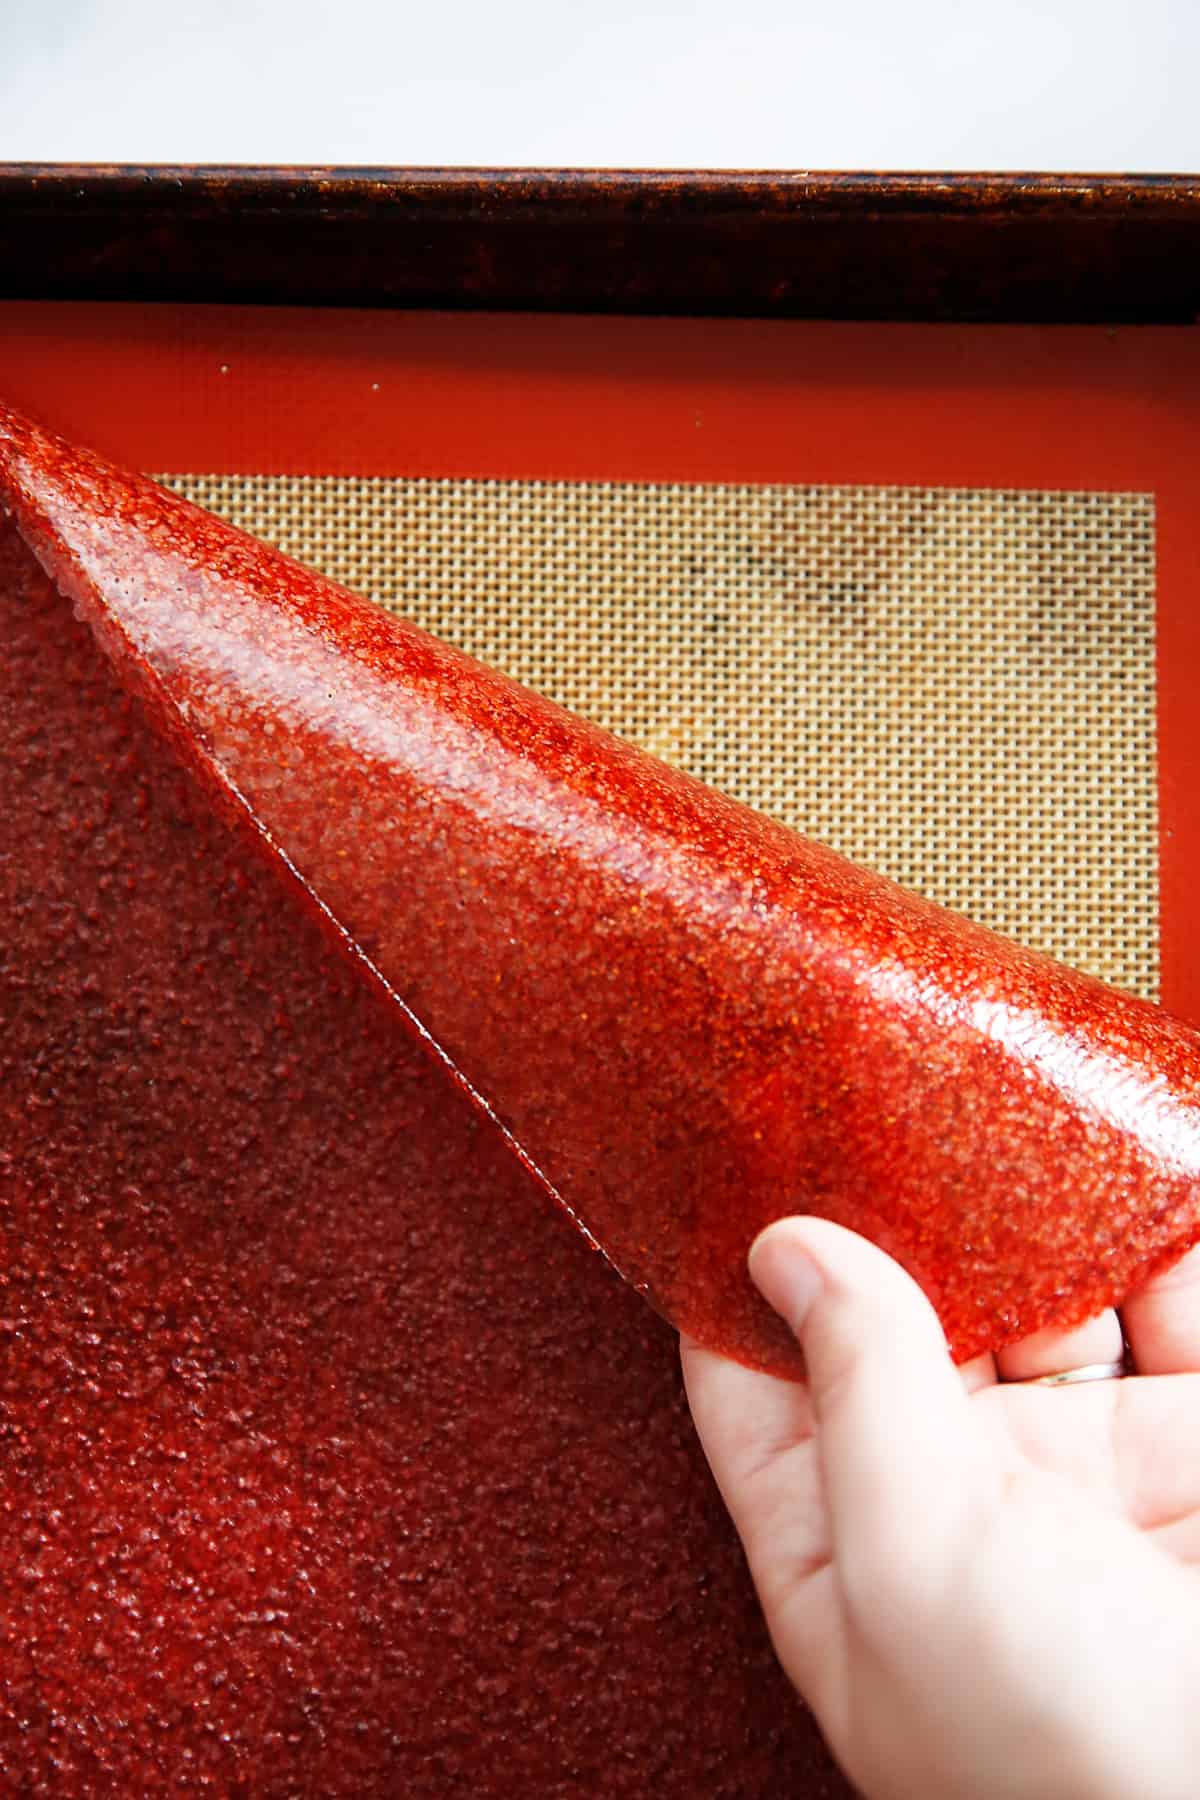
[(689, 1020), (332, 1461)]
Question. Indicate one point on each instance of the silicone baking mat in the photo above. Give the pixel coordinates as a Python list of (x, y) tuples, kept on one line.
[(927, 592), (954, 686)]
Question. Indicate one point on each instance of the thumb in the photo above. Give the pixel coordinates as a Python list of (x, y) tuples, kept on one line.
[(893, 1425)]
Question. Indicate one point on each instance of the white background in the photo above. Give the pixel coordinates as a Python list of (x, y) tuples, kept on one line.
[(918, 84)]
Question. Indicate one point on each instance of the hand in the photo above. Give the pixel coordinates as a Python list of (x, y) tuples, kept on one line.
[(981, 1589)]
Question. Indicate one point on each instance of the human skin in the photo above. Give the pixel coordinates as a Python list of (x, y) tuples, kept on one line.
[(981, 1588)]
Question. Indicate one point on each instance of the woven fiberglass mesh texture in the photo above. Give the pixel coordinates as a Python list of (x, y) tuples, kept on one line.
[(954, 686)]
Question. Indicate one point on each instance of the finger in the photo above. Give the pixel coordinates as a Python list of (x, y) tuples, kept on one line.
[(980, 1372), (1162, 1320), (1049, 1352), (894, 1428), (757, 1433)]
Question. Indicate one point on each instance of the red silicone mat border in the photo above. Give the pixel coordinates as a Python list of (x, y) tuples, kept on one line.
[(336, 391)]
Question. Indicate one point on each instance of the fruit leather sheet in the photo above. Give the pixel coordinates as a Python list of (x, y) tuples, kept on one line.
[(339, 976)]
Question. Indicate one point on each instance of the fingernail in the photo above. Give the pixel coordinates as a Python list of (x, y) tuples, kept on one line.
[(784, 1273)]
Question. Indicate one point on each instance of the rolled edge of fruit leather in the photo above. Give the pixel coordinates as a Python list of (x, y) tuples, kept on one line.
[(688, 1020)]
